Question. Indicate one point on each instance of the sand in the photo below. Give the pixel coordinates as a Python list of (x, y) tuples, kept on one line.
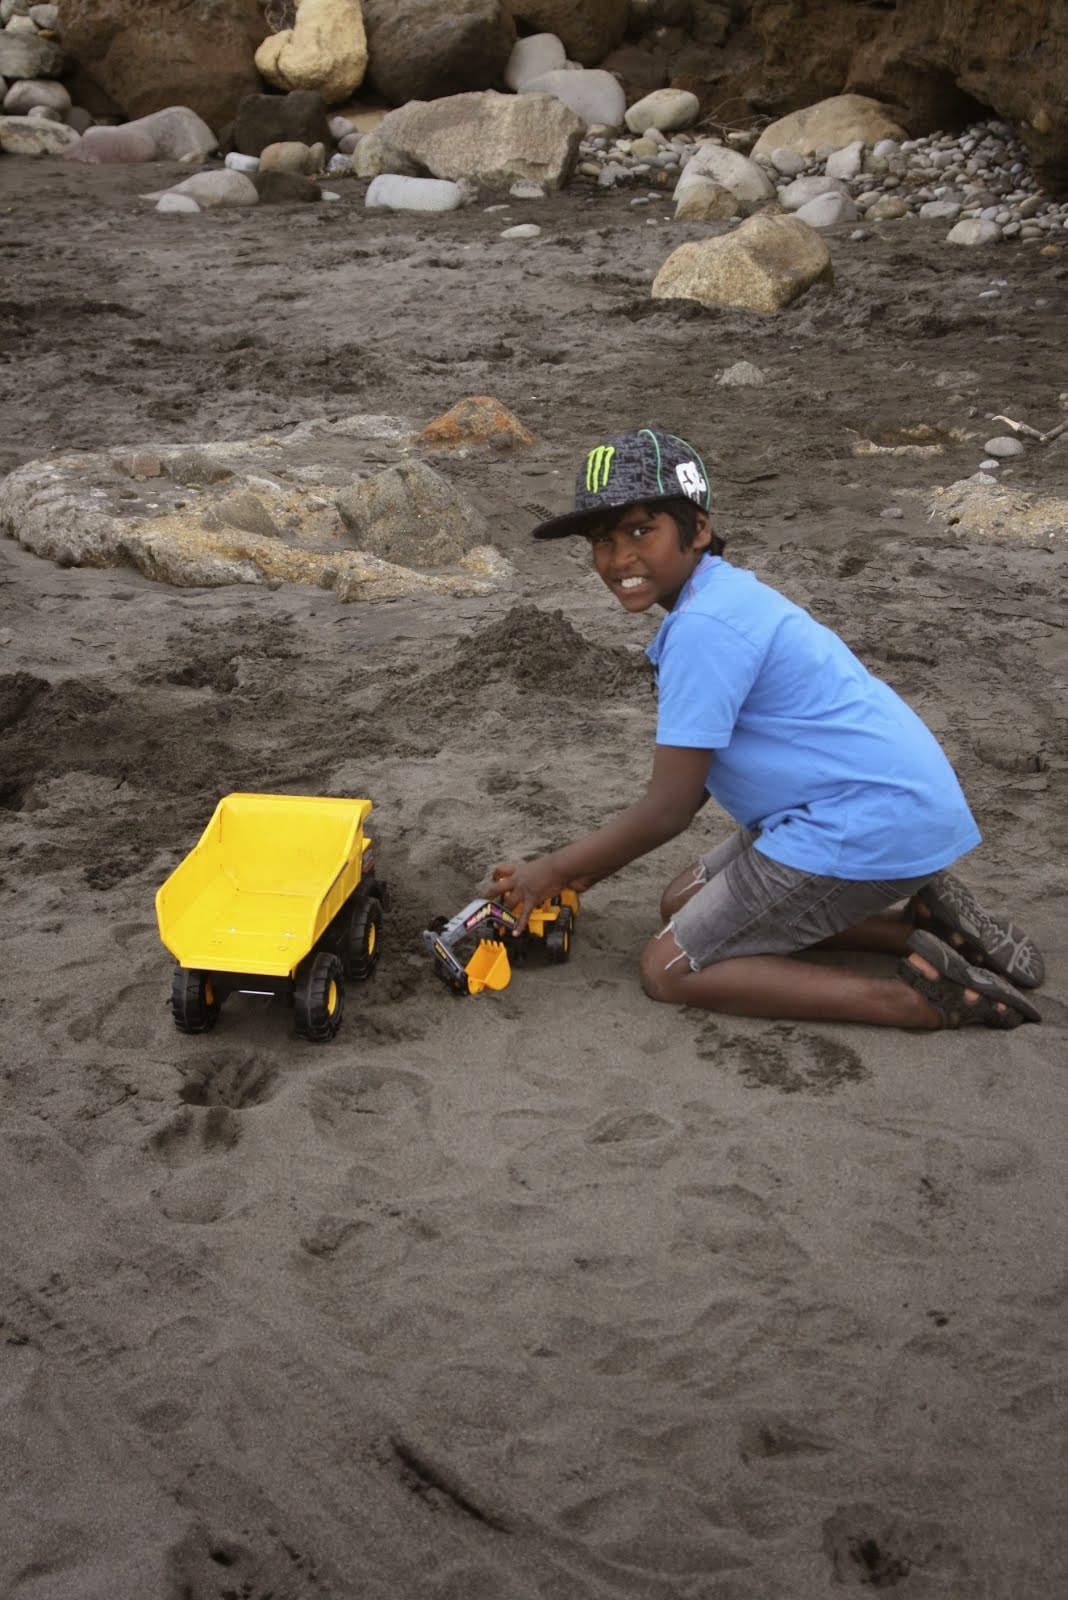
[(550, 1294)]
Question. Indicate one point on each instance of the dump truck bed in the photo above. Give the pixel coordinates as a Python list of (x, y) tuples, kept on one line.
[(267, 878)]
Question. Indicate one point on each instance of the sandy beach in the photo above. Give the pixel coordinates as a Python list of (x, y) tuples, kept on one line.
[(549, 1294)]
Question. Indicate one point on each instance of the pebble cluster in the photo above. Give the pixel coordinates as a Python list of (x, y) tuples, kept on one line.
[(982, 174)]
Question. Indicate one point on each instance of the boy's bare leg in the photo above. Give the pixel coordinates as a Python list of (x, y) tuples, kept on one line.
[(783, 988), (787, 990)]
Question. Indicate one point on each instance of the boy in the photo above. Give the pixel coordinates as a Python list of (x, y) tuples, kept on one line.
[(845, 802)]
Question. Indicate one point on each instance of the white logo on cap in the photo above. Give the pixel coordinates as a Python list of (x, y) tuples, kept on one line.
[(693, 484)]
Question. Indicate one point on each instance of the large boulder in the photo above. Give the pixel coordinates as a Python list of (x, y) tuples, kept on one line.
[(588, 31), (429, 49), (264, 119), (936, 64), (766, 263), (28, 55), (493, 139), (199, 55), (840, 120), (325, 50)]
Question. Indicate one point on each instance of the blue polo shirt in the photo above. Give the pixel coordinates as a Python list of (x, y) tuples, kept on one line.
[(830, 767)]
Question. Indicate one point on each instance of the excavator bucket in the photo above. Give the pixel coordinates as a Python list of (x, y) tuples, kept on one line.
[(488, 968)]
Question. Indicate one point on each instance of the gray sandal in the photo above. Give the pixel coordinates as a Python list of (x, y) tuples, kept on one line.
[(946, 992), (983, 939)]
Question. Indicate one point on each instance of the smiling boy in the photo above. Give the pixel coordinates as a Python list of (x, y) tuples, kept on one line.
[(848, 811)]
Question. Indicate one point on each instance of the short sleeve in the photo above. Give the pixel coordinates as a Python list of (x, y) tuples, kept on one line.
[(705, 672)]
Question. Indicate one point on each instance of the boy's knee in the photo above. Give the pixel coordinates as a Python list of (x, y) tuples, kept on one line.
[(662, 962)]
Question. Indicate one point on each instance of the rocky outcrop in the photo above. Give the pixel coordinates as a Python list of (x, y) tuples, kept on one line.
[(935, 65), (426, 49), (145, 55)]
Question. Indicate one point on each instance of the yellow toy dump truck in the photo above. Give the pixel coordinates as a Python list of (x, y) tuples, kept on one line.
[(279, 897), (490, 923)]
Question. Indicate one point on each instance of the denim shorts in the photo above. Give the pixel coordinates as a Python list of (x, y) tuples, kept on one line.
[(750, 905)]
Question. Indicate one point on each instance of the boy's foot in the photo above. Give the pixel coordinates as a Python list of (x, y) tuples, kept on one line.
[(962, 995), (947, 908)]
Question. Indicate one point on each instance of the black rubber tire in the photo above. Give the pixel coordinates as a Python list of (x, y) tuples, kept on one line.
[(193, 1002), (319, 996), (558, 939), (362, 941)]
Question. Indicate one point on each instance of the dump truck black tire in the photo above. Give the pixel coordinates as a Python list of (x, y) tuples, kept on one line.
[(319, 996), (193, 1002)]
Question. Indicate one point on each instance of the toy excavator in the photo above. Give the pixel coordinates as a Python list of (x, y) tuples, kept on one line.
[(491, 923)]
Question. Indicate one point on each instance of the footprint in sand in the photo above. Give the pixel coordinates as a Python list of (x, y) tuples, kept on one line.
[(875, 1549), (784, 1057)]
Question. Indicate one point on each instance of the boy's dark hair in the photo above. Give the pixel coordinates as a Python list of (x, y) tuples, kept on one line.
[(684, 513)]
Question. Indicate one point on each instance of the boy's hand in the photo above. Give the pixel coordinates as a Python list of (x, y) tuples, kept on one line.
[(524, 885)]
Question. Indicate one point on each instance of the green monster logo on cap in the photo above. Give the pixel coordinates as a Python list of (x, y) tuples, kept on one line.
[(599, 468)]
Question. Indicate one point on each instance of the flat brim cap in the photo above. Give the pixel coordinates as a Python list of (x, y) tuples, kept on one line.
[(646, 467)]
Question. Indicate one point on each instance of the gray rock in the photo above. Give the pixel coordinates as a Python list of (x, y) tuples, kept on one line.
[(594, 95), (391, 192), (493, 139), (742, 375), (826, 210), (532, 57), (176, 204), (788, 162), (1003, 446), (974, 231), (24, 96), (664, 109), (794, 195), (413, 515)]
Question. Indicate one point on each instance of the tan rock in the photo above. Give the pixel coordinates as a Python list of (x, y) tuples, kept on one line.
[(288, 155), (325, 50), (838, 121), (979, 508), (705, 200), (887, 209), (766, 263)]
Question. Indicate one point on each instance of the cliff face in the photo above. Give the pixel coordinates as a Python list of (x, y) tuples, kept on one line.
[(935, 61)]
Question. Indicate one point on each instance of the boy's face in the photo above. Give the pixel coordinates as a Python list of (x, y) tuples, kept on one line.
[(641, 558)]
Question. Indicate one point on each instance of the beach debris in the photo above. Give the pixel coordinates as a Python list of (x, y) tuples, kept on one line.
[(1033, 433)]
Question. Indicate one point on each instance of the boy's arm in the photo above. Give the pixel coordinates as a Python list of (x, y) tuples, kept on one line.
[(675, 792)]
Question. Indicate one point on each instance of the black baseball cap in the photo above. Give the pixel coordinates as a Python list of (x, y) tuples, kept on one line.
[(637, 468)]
